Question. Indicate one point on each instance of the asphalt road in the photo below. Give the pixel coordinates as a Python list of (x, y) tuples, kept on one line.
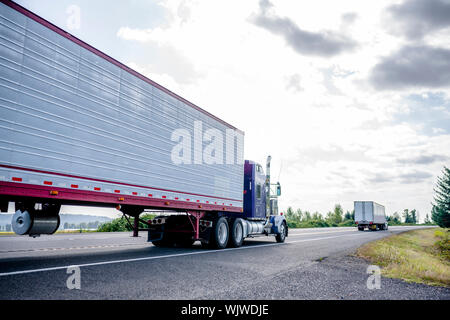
[(312, 264)]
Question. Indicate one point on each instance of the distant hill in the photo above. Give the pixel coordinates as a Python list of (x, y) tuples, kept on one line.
[(71, 219)]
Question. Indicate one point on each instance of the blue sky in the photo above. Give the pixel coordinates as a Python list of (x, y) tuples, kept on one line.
[(352, 102)]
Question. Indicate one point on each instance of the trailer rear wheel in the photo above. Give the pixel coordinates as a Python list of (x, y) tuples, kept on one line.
[(280, 237), (220, 234), (237, 234)]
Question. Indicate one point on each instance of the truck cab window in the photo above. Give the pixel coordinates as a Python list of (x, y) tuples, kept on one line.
[(258, 191)]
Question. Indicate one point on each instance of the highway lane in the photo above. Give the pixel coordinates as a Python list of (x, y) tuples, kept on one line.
[(117, 266)]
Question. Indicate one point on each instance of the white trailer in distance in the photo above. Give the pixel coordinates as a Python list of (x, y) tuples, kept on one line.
[(370, 215)]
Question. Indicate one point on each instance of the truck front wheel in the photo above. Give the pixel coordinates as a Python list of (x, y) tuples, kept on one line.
[(281, 236)]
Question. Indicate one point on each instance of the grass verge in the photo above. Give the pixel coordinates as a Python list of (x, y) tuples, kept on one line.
[(420, 256)]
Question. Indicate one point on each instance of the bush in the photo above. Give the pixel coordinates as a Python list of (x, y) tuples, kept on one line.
[(443, 244), (307, 224), (347, 223), (121, 224)]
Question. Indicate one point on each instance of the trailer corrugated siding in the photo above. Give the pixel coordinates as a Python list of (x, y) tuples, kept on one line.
[(70, 118), (369, 211)]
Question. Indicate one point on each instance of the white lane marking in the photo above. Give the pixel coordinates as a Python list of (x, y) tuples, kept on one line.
[(171, 255), (317, 233)]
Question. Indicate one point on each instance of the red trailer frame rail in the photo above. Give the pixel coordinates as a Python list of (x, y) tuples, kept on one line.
[(76, 196)]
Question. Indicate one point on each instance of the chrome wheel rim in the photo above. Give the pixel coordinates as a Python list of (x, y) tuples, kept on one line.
[(282, 231), (222, 233), (238, 232)]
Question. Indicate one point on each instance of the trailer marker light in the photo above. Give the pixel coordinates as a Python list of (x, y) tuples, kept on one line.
[(167, 203), (121, 199), (117, 191), (176, 198), (150, 195), (16, 179), (187, 199), (198, 200), (75, 186), (54, 193), (199, 205), (164, 197), (118, 207), (97, 189), (49, 183)]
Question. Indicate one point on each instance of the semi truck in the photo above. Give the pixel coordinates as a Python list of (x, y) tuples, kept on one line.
[(370, 215), (78, 127)]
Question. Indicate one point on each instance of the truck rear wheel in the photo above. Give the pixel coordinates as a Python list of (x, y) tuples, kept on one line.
[(220, 234), (237, 234)]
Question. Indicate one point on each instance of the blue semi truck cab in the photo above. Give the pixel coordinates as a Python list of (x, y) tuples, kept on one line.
[(222, 229)]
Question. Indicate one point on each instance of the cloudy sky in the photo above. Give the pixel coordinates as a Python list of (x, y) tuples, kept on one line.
[(351, 98)]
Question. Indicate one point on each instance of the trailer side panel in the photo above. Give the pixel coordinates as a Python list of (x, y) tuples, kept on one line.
[(72, 120)]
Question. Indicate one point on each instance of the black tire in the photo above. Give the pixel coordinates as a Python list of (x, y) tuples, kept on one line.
[(281, 237), (236, 234), (220, 234), (360, 229)]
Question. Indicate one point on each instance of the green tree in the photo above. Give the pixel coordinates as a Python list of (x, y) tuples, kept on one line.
[(407, 216), (427, 219), (414, 216), (307, 216), (316, 216), (348, 216), (335, 217), (299, 215), (290, 213), (440, 212)]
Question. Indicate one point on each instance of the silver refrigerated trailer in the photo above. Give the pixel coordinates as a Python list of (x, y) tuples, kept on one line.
[(78, 127), (371, 215)]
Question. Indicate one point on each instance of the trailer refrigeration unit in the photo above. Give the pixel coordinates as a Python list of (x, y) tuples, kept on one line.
[(80, 128), (371, 215)]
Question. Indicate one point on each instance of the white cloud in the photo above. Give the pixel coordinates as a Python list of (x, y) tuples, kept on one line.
[(321, 118)]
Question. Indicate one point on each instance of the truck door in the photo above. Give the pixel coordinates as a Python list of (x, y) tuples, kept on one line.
[(260, 192)]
